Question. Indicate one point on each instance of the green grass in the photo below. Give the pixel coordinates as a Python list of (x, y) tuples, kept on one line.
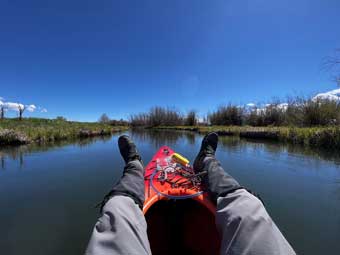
[(14, 131), (325, 137), (28, 130)]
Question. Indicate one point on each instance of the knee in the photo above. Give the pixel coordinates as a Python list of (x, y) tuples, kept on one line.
[(241, 206)]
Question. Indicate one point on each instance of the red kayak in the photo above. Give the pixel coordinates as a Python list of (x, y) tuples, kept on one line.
[(180, 216)]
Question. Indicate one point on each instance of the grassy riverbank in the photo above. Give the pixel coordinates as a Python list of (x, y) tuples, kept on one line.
[(28, 130), (326, 137)]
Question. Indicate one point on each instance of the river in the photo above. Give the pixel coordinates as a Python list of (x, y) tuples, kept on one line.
[(48, 193)]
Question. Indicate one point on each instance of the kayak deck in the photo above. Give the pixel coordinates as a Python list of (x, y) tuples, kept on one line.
[(180, 216)]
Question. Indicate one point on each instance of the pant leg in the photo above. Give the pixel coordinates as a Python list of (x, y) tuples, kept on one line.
[(120, 230), (241, 218), (131, 183), (122, 227), (217, 181), (247, 228)]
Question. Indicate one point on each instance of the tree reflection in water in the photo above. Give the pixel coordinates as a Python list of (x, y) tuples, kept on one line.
[(236, 144), (159, 138), (170, 137), (18, 153)]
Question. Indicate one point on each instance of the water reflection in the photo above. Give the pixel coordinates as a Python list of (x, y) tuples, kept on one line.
[(190, 137), (18, 153), (301, 191), (159, 138), (237, 144)]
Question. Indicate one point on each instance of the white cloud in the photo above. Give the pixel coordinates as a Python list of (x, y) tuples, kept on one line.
[(260, 110), (333, 95), (31, 107), (13, 106), (251, 105), (282, 106), (10, 106)]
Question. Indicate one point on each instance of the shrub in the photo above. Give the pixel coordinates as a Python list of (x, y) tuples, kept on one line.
[(191, 119), (227, 115)]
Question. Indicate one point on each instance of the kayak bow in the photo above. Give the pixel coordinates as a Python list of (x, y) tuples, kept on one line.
[(180, 216)]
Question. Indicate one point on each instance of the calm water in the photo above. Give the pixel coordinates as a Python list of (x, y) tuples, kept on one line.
[(47, 193)]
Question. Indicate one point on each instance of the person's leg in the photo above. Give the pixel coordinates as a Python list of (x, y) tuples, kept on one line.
[(131, 184), (122, 227), (247, 228), (120, 230), (242, 220)]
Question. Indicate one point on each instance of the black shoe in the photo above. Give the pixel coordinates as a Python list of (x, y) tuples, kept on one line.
[(217, 181), (128, 149), (208, 149)]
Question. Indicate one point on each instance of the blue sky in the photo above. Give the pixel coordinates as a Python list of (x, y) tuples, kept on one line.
[(80, 58)]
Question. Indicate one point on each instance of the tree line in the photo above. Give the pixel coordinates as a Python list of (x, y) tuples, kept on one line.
[(104, 119), (161, 116), (296, 112)]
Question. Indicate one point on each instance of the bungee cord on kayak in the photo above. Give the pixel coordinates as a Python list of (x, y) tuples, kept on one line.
[(170, 206), (177, 175)]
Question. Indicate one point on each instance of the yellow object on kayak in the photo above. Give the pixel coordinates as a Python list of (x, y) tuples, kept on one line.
[(180, 159)]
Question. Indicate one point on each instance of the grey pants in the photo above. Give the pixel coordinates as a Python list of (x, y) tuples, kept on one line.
[(242, 220)]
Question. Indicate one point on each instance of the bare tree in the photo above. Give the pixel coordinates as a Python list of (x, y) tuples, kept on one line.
[(21, 109), (332, 64), (191, 118), (2, 110), (140, 119), (104, 119)]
